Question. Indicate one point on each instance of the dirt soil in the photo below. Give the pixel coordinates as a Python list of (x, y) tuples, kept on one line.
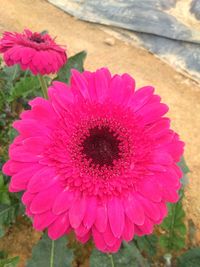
[(179, 92)]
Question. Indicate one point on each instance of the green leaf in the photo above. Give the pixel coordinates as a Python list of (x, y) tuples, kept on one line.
[(24, 87), (163, 241), (9, 262), (12, 133), (11, 73), (4, 198), (182, 164), (1, 181), (128, 255), (49, 253), (4, 195), (175, 230), (190, 259), (2, 233), (74, 62), (147, 244), (8, 213)]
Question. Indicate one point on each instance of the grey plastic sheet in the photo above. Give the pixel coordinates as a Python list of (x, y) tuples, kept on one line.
[(167, 28)]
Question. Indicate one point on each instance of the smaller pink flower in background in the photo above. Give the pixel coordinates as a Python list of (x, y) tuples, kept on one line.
[(34, 51), (97, 158)]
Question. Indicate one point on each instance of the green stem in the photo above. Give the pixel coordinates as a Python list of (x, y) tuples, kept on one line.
[(52, 254), (111, 260), (43, 86)]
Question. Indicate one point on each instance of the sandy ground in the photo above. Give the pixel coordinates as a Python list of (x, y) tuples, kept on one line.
[(180, 93)]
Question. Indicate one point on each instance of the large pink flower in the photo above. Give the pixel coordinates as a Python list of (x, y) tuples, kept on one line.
[(34, 51), (98, 158)]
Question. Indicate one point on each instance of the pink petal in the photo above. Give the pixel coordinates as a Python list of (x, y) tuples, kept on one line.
[(128, 232), (11, 167), (170, 195), (176, 148), (44, 200), (18, 153), (63, 202), (60, 94), (27, 198), (35, 144), (151, 209), (20, 180), (42, 179), (90, 213), (91, 85), (102, 79), (98, 239), (43, 220), (116, 90), (81, 230), (85, 238), (134, 210), (78, 82), (141, 97), (27, 55), (101, 218), (115, 247), (161, 157), (150, 189), (28, 128), (121, 88), (164, 140), (116, 216), (159, 128), (152, 112), (163, 211), (42, 111), (129, 82), (59, 227), (6, 168), (108, 236), (145, 229), (77, 212)]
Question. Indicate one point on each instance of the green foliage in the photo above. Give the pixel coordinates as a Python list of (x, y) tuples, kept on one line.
[(4, 195), (51, 253), (12, 262), (8, 262), (1, 231), (190, 259), (15, 86), (8, 213), (24, 87), (8, 77), (173, 224), (174, 239), (10, 205), (147, 244), (128, 255), (182, 164), (174, 227), (74, 62), (11, 74)]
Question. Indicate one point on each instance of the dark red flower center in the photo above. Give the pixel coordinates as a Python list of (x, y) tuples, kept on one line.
[(101, 146), (37, 38)]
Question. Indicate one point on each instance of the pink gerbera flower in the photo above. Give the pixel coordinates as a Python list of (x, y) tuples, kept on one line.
[(98, 158), (34, 51)]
